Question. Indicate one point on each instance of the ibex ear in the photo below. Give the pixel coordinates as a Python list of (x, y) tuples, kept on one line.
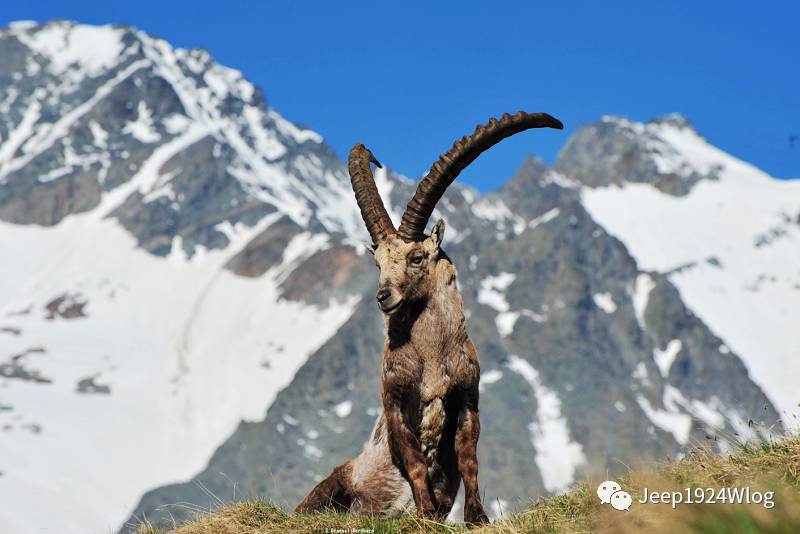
[(437, 233), (370, 247)]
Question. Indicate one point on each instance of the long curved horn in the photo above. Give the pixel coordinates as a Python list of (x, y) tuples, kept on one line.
[(378, 223), (450, 164)]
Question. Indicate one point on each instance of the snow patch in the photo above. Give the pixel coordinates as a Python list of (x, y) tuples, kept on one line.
[(300, 135), (385, 187), (290, 420), (93, 49), (499, 508), (142, 128), (708, 412), (99, 135), (641, 295), (557, 456), (605, 302), (312, 451), (664, 358), (18, 135), (491, 209), (489, 377), (544, 218), (505, 322), (640, 374), (492, 288), (266, 141), (343, 409), (678, 424)]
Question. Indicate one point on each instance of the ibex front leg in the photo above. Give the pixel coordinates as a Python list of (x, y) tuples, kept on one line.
[(467, 433), (407, 452)]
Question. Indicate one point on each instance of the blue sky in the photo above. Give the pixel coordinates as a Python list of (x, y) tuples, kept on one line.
[(407, 81)]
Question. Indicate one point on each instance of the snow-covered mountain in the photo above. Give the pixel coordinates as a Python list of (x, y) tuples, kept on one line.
[(182, 311), (730, 243), (131, 176)]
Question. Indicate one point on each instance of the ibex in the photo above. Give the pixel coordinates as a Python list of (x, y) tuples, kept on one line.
[(427, 434)]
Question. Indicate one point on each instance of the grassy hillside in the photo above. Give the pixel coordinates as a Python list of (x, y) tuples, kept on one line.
[(767, 466)]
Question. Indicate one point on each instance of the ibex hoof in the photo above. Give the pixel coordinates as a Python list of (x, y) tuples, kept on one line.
[(476, 517)]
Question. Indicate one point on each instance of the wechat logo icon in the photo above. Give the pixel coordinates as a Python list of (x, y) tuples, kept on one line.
[(611, 493)]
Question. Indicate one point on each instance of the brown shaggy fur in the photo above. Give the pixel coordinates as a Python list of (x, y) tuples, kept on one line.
[(427, 436)]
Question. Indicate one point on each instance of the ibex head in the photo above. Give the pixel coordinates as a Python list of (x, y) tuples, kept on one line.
[(407, 257)]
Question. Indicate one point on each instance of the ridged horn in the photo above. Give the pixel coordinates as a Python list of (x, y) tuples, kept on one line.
[(378, 223), (451, 163)]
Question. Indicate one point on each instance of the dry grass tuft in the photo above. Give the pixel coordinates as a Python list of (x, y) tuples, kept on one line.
[(765, 466)]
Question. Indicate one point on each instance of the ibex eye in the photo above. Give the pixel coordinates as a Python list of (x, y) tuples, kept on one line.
[(416, 260)]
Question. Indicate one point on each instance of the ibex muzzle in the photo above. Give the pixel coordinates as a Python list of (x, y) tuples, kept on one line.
[(389, 299)]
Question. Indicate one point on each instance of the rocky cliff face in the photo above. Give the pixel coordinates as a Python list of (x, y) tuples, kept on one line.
[(189, 308)]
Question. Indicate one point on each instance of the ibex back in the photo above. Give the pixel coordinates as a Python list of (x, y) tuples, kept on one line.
[(425, 441)]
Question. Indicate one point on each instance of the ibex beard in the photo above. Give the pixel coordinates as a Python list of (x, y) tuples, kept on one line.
[(424, 444)]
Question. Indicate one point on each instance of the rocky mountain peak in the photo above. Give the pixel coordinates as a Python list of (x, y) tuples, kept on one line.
[(116, 122), (617, 151), (676, 120)]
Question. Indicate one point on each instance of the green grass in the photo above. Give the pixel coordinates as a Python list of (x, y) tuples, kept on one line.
[(766, 466)]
